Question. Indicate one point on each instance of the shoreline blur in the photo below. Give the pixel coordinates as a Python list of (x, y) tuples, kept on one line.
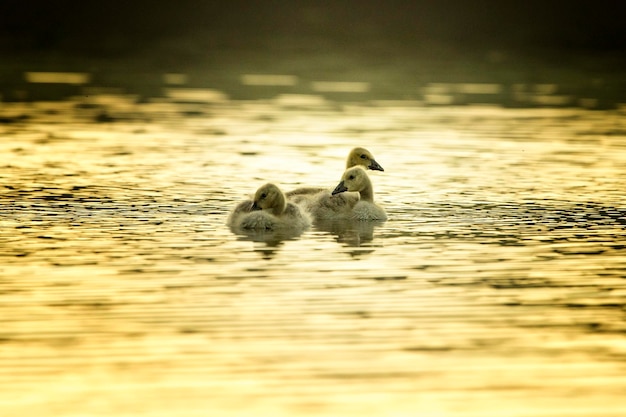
[(432, 77), (421, 51)]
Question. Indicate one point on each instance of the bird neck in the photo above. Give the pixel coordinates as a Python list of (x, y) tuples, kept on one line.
[(367, 192), (279, 205)]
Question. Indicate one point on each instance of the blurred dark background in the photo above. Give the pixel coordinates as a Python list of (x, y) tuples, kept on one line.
[(118, 28), (389, 39)]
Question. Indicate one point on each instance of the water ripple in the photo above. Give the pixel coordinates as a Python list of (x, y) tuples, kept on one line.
[(501, 272)]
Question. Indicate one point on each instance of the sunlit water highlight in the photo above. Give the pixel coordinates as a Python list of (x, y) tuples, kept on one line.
[(496, 287)]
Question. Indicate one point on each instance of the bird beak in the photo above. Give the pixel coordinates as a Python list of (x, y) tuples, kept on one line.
[(255, 206), (375, 166), (340, 188)]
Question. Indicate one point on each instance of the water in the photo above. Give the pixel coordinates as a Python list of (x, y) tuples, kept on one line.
[(496, 287)]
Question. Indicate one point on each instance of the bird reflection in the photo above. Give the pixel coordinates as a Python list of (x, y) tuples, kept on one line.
[(352, 233), (270, 240)]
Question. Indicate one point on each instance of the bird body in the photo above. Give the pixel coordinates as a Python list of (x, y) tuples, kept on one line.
[(268, 210), (352, 199)]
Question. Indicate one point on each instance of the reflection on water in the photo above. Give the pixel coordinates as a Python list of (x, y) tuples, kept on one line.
[(57, 77), (350, 232), (498, 284), (272, 238)]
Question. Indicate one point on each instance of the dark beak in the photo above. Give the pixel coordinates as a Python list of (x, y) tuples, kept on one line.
[(375, 166), (340, 188), (255, 206)]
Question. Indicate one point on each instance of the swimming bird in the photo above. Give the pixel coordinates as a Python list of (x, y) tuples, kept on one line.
[(268, 210), (356, 179), (356, 157), (358, 204), (362, 157)]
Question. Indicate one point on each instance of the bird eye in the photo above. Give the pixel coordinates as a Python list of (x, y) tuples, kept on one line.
[(351, 177), (363, 156), (263, 195)]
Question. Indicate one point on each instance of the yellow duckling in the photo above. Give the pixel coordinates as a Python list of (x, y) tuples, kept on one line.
[(268, 210), (339, 205), (357, 157), (356, 179)]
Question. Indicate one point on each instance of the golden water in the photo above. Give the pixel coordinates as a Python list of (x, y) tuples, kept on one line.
[(497, 286)]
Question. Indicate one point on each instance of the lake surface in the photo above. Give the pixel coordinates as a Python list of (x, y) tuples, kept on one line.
[(497, 286)]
